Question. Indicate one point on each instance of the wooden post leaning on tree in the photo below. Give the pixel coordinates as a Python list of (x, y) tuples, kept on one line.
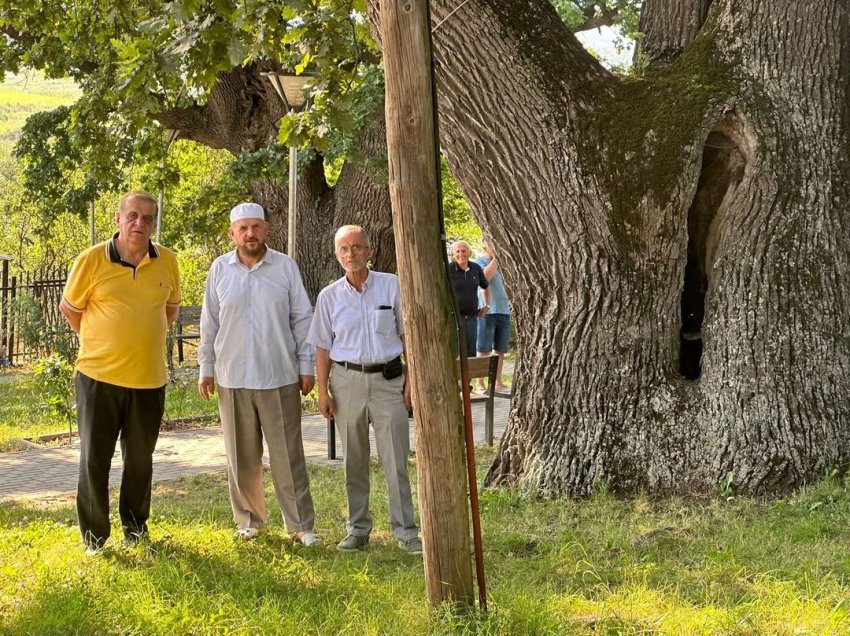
[(428, 326)]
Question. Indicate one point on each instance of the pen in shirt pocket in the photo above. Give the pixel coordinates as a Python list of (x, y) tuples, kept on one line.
[(384, 307)]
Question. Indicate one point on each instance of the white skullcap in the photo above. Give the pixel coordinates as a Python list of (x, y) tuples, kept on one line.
[(247, 211)]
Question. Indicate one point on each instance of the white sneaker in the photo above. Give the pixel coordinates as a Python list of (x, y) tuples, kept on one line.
[(247, 534), (308, 538)]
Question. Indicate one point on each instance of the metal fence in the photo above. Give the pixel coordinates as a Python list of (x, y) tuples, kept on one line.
[(44, 287)]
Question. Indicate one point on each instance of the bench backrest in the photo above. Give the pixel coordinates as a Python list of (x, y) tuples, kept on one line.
[(190, 315), (480, 367)]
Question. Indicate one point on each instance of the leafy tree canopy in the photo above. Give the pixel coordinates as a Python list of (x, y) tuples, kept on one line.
[(581, 15), (145, 66), (142, 63)]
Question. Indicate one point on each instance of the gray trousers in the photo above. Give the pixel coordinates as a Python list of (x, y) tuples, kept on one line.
[(359, 397), (247, 416)]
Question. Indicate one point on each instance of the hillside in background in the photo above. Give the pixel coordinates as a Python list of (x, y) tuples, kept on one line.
[(27, 93)]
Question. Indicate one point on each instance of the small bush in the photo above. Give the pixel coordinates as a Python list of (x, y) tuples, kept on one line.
[(54, 384), (37, 333)]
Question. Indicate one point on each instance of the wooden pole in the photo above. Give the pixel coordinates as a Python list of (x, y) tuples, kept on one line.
[(426, 298)]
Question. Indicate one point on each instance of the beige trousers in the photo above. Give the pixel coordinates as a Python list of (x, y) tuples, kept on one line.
[(359, 397), (248, 416)]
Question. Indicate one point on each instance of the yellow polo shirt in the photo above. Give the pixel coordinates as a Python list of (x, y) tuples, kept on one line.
[(123, 324)]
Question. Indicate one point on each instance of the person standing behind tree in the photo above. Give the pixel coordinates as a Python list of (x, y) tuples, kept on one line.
[(467, 277), (254, 325), (494, 329), (120, 297)]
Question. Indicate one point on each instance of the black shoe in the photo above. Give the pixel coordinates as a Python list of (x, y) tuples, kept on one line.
[(353, 543)]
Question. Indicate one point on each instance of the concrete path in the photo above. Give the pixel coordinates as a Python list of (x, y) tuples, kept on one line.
[(52, 472)]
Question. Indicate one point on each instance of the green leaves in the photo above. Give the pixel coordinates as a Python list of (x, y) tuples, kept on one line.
[(53, 380), (138, 63)]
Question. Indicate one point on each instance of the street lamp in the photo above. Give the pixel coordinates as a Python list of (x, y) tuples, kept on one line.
[(290, 89), (169, 135)]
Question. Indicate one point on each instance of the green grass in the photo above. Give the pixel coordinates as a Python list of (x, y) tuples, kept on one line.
[(25, 94), (182, 399), (559, 567)]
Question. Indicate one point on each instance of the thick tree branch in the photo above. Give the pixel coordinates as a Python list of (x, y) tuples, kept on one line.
[(241, 113), (668, 26)]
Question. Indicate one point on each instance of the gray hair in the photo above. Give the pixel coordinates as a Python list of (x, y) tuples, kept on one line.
[(456, 243), (139, 194), (346, 229)]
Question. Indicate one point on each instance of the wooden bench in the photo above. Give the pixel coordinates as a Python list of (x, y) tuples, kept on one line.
[(186, 329), (480, 367), (484, 367)]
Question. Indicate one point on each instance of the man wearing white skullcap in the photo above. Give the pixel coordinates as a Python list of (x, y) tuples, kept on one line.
[(254, 325)]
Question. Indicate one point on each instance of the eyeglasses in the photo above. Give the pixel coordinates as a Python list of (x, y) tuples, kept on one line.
[(343, 250)]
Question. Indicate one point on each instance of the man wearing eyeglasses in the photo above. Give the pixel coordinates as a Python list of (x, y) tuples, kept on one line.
[(357, 327), (254, 326), (120, 297)]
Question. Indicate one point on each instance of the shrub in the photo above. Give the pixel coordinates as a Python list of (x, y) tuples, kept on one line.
[(53, 379), (37, 332)]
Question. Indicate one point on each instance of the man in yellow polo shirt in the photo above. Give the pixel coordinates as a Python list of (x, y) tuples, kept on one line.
[(120, 297)]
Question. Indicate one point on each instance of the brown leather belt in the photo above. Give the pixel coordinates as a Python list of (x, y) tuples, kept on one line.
[(363, 368)]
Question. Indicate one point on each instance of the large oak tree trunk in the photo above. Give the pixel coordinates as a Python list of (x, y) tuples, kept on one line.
[(674, 245)]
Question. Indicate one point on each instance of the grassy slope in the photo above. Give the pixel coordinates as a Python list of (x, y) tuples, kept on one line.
[(560, 567), (23, 95)]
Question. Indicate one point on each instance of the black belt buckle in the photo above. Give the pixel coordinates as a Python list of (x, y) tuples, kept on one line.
[(393, 369)]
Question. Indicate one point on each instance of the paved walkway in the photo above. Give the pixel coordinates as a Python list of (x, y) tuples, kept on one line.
[(52, 472)]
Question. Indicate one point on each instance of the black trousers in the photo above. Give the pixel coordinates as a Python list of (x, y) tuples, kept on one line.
[(470, 332), (105, 412)]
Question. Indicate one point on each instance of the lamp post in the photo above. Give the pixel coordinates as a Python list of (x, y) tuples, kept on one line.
[(169, 135), (290, 89)]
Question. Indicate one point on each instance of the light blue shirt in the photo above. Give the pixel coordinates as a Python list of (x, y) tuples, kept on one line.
[(254, 323), (498, 295), (363, 328)]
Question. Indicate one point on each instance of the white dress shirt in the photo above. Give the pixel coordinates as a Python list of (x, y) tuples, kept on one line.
[(254, 323), (363, 328)]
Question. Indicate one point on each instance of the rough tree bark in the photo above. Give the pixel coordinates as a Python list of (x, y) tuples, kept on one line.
[(242, 114), (674, 244)]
